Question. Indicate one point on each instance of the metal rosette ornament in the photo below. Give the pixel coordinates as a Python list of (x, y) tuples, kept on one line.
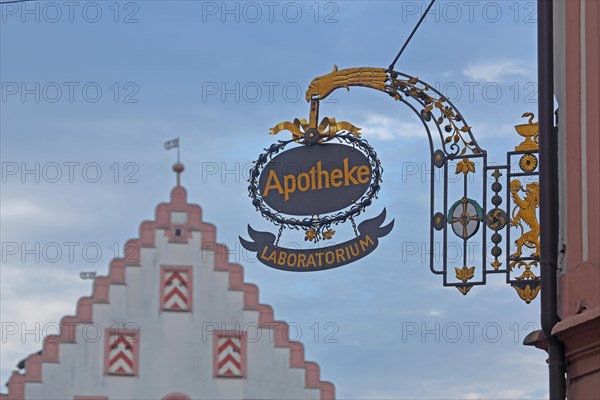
[(324, 176)]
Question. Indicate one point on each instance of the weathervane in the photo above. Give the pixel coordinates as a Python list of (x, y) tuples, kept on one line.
[(178, 167)]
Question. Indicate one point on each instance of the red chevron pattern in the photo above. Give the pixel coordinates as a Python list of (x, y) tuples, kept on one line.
[(176, 289), (122, 353), (229, 355)]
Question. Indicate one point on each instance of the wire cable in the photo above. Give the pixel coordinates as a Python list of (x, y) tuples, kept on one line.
[(15, 1), (391, 67)]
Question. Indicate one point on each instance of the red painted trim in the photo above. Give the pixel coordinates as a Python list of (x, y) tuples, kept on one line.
[(50, 349), (236, 277), (176, 396), (33, 371), (116, 276), (101, 288), (136, 350), (573, 130), (243, 344), (265, 315), (16, 386), (250, 297), (84, 310), (209, 234), (296, 355), (592, 58), (190, 285), (327, 391), (576, 320), (163, 220), (132, 252), (280, 334), (312, 375)]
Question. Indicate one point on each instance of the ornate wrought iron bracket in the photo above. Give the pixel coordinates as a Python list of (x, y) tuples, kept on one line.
[(456, 212)]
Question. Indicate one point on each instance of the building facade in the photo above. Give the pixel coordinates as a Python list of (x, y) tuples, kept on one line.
[(577, 91), (173, 320)]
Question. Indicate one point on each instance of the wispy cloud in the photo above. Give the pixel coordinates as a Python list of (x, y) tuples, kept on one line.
[(497, 71), (489, 130), (382, 127), (500, 394), (19, 209), (30, 310), (22, 216)]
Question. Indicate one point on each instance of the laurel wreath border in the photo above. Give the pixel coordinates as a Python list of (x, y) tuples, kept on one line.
[(317, 223)]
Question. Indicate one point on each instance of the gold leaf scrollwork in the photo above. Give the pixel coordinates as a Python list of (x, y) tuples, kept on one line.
[(464, 289), (436, 106), (327, 129), (464, 274), (311, 235), (452, 122), (527, 294), (465, 166), (322, 86), (527, 272), (298, 128), (328, 234), (314, 235)]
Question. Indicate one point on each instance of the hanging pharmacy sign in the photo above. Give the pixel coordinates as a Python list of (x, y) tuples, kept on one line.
[(327, 175), (324, 176), (315, 179)]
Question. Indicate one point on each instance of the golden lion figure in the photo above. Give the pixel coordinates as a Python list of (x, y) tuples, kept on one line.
[(524, 211)]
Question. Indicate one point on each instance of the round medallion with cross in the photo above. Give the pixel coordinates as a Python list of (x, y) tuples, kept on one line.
[(465, 216)]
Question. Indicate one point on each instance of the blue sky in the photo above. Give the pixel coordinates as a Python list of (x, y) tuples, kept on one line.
[(102, 85)]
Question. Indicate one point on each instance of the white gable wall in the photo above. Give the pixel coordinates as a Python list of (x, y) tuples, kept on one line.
[(176, 348)]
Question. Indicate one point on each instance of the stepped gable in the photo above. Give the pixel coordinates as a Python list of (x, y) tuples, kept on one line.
[(172, 236)]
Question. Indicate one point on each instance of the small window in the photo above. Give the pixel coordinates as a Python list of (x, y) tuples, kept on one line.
[(178, 234)]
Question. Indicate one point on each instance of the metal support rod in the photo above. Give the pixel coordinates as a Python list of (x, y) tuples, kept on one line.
[(393, 64), (548, 147)]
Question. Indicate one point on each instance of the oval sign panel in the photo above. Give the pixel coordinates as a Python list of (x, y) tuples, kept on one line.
[(312, 180)]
